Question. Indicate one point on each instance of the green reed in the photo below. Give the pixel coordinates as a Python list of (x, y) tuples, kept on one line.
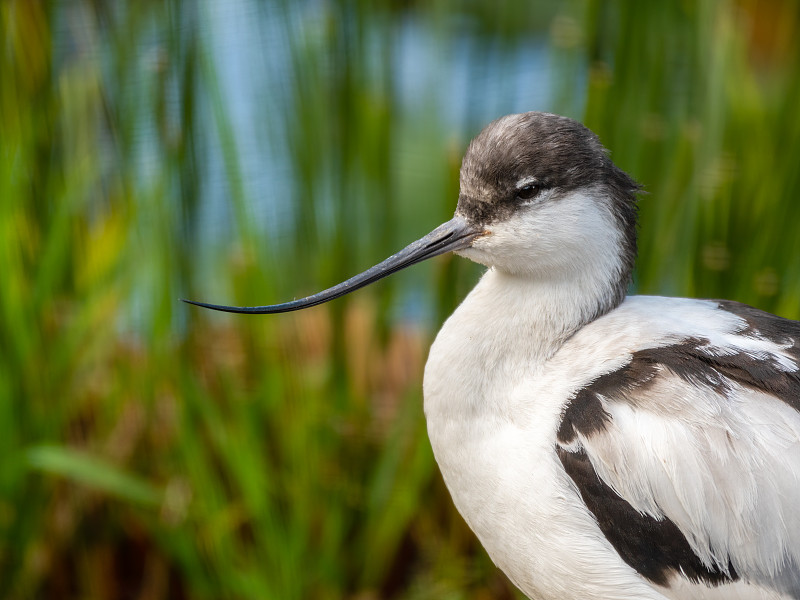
[(158, 451)]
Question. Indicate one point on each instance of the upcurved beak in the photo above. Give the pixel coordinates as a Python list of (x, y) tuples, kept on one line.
[(456, 234)]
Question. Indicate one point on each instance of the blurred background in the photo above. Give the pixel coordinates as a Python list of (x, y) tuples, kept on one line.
[(248, 152)]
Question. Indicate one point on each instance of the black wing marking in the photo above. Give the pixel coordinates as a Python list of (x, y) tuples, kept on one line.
[(763, 354), (654, 548), (695, 361)]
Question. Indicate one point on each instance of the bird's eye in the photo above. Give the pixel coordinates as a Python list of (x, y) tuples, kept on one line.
[(528, 191)]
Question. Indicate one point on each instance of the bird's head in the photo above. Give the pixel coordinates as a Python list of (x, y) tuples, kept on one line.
[(539, 198), (548, 198)]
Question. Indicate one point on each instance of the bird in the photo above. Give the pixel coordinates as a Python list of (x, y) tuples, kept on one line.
[(600, 445)]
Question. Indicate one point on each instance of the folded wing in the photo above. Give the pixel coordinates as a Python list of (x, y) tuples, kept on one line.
[(689, 455)]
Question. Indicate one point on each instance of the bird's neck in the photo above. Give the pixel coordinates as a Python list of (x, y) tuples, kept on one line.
[(507, 327), (537, 315)]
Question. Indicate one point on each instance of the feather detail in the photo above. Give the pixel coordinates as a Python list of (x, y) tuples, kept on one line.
[(702, 433)]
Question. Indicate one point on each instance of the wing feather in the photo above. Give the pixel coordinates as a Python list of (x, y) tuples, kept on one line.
[(704, 435)]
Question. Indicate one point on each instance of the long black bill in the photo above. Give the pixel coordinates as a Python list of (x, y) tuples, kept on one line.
[(456, 234)]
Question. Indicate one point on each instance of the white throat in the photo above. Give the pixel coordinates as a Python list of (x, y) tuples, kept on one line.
[(510, 324)]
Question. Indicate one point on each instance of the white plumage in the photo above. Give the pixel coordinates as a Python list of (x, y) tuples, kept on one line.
[(722, 466), (601, 447)]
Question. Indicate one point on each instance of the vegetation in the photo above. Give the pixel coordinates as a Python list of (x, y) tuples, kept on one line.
[(151, 450)]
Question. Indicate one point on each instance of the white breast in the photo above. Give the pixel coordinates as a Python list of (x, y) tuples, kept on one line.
[(493, 404), (498, 378)]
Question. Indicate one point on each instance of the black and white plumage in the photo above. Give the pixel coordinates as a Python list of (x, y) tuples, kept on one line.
[(601, 447)]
